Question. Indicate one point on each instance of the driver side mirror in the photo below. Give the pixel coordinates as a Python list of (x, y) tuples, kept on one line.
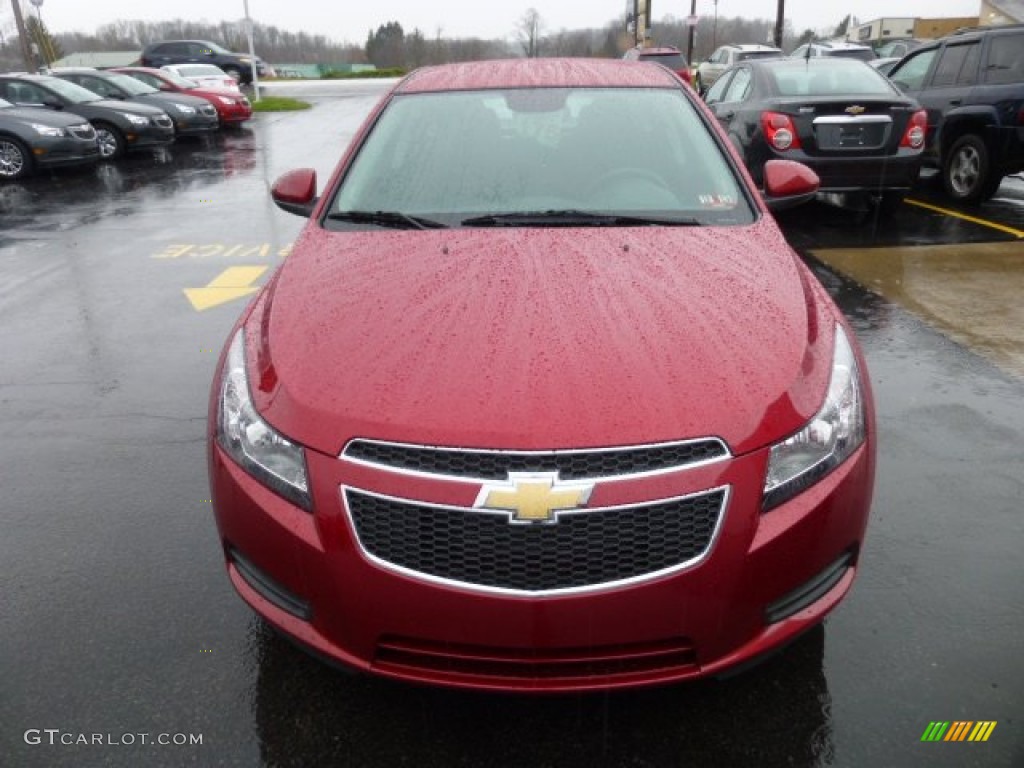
[(295, 192), (788, 184)]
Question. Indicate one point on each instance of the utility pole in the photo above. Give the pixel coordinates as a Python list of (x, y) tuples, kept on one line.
[(689, 35), (26, 45), (780, 18)]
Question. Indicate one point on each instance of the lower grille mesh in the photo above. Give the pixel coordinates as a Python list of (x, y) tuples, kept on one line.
[(584, 549)]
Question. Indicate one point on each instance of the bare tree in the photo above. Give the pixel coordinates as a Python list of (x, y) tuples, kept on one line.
[(529, 31)]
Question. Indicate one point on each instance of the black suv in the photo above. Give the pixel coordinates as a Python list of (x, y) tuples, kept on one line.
[(119, 125), (972, 84), (238, 65)]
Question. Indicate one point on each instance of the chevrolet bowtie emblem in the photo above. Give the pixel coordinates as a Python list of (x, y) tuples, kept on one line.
[(533, 497), (855, 110)]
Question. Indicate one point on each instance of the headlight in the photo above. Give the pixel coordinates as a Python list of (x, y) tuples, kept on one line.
[(47, 130), (827, 440), (259, 449), (135, 119), (185, 109), (226, 100)]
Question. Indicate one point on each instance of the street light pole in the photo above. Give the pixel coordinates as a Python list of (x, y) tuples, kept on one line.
[(714, 29), (252, 54)]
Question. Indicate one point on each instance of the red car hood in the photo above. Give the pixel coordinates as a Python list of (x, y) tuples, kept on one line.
[(541, 338)]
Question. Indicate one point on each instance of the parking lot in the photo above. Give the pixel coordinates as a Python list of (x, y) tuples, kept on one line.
[(119, 286)]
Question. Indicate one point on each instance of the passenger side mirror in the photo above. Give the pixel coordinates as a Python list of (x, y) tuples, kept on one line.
[(295, 192), (788, 184)]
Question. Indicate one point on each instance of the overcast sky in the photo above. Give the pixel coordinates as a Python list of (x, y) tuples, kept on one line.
[(350, 21)]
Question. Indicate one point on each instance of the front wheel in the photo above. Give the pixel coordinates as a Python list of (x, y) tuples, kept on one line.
[(110, 140), (15, 159), (967, 172)]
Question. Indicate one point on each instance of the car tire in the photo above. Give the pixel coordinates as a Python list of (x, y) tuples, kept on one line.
[(967, 172), (110, 139), (15, 159)]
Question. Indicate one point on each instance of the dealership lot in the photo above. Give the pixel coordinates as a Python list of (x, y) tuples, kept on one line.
[(119, 288)]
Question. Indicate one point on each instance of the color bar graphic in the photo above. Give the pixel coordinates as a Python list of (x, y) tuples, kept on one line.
[(958, 730)]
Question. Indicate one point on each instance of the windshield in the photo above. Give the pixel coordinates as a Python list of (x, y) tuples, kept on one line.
[(131, 85), (448, 157), (863, 54), (747, 55), (827, 76), (177, 80), (673, 61), (76, 94)]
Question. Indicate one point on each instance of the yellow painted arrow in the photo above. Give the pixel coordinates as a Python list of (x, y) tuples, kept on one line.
[(233, 283)]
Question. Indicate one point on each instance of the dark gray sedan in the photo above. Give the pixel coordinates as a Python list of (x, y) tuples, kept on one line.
[(191, 114), (33, 138)]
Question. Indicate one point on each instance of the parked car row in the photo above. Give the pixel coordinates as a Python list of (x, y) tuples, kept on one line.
[(78, 116)]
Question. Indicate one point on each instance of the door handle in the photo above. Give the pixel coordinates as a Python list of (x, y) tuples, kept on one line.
[(955, 102)]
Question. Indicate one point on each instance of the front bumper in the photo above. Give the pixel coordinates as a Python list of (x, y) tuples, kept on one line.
[(238, 112), (158, 132), (199, 124), (765, 579), (58, 152)]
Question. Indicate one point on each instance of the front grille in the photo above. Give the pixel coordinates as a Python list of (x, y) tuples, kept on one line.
[(82, 131), (570, 465), (470, 662), (584, 549)]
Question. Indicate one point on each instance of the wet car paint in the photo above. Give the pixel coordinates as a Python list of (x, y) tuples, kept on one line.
[(117, 617)]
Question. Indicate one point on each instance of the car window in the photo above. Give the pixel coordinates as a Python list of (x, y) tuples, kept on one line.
[(829, 76), (673, 61), (716, 93), (171, 49), (1005, 59), (23, 93), (148, 79), (76, 94), (740, 86), (950, 67), (911, 72), (460, 154), (95, 84), (130, 85)]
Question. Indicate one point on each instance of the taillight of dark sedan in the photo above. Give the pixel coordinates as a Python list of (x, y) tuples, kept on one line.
[(528, 409)]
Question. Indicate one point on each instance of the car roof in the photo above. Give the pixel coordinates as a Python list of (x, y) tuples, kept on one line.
[(753, 47), (539, 73), (842, 46), (662, 50)]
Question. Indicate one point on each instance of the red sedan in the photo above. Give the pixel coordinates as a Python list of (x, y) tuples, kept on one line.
[(232, 107), (542, 400)]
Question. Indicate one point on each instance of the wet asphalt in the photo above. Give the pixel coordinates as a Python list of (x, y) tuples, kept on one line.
[(116, 616)]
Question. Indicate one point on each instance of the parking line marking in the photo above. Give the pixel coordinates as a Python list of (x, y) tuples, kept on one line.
[(973, 219)]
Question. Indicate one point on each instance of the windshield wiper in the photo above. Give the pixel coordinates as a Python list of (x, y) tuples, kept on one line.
[(393, 219), (576, 218)]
